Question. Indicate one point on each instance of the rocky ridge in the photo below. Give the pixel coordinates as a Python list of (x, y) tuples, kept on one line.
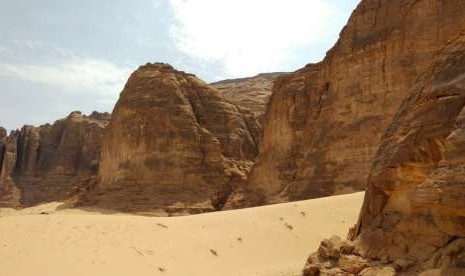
[(50, 162), (54, 162), (174, 145), (252, 93)]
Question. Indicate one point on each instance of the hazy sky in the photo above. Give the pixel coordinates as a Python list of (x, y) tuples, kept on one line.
[(57, 56)]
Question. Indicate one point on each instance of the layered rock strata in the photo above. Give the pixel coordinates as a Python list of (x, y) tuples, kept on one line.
[(413, 217), (324, 122), (252, 93), (174, 145), (47, 163)]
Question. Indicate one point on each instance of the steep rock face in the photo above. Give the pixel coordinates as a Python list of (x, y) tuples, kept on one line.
[(3, 133), (3, 136), (9, 192), (417, 185), (413, 217), (49, 162), (173, 144), (252, 93), (324, 122)]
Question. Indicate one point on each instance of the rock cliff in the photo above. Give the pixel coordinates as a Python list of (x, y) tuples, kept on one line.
[(413, 217), (173, 145), (417, 184), (9, 193), (324, 122), (47, 163), (252, 93)]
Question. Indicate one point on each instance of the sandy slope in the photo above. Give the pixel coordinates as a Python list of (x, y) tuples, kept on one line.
[(257, 241)]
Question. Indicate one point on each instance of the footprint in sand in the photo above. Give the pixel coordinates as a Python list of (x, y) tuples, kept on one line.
[(162, 225), (290, 227), (137, 251)]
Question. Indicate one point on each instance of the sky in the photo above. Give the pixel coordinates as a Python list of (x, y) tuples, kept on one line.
[(60, 56)]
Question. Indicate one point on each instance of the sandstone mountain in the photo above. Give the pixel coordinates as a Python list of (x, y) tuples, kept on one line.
[(252, 93), (417, 183), (205, 139), (413, 218), (174, 144), (47, 163), (324, 122)]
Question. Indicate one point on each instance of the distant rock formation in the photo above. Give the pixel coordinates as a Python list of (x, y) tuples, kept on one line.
[(9, 193), (252, 93), (324, 122), (47, 163), (174, 144), (195, 146), (3, 133)]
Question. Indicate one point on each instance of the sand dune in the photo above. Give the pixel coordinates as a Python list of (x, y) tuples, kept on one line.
[(270, 240)]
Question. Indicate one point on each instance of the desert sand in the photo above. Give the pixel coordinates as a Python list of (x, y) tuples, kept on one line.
[(270, 240)]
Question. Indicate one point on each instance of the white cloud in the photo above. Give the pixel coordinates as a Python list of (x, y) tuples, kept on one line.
[(75, 74), (250, 36), (37, 50)]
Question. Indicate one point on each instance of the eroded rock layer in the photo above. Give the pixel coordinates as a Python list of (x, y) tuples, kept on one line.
[(417, 186), (324, 122), (413, 218), (47, 163), (252, 93), (173, 144)]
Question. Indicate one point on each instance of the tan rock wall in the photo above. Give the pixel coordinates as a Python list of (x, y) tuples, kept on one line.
[(174, 144), (324, 122), (252, 93), (416, 188), (413, 217), (50, 162)]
